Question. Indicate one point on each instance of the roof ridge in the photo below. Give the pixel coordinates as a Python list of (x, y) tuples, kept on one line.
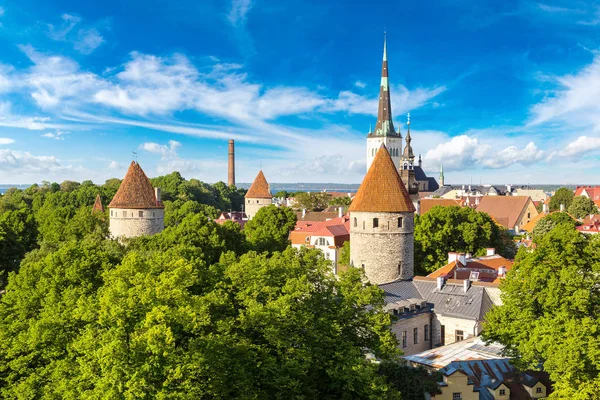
[(259, 188)]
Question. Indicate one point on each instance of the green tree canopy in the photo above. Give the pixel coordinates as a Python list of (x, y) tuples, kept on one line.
[(561, 196), (460, 229), (550, 312), (270, 228), (315, 201), (582, 206), (547, 223)]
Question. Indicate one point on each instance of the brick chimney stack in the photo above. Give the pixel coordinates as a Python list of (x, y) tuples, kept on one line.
[(231, 176)]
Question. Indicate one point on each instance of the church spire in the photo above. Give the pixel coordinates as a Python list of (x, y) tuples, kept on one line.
[(441, 175), (408, 151), (385, 126)]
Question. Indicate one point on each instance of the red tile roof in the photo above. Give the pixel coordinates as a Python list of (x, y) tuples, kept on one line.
[(135, 191), (504, 209), (486, 266), (336, 228), (428, 204), (382, 190), (98, 207), (259, 188)]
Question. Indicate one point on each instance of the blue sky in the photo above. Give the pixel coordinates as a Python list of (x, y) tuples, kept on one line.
[(499, 93)]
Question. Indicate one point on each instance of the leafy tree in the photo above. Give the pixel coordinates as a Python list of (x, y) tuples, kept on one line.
[(315, 201), (282, 194), (345, 254), (549, 317), (413, 383), (562, 196), (444, 229), (18, 232), (270, 228), (582, 206), (176, 211), (341, 201), (547, 223)]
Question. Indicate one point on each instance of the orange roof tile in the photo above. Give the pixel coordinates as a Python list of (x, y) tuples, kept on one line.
[(382, 189), (504, 209), (428, 204), (528, 227), (135, 191), (98, 205), (259, 188)]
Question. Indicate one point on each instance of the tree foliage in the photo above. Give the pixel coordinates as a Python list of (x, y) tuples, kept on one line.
[(460, 229), (315, 201), (562, 196), (582, 206), (547, 223), (185, 314), (550, 312), (270, 228)]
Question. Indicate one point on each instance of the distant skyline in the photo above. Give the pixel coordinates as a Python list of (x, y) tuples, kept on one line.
[(500, 93)]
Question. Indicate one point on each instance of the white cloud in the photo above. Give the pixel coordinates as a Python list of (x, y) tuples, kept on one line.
[(238, 12), (170, 161), (57, 135), (114, 165), (528, 155), (582, 145), (88, 40), (360, 84), (18, 162), (84, 40), (6, 141)]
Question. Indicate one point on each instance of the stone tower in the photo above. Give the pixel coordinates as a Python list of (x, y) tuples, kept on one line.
[(384, 129), (382, 223), (136, 208), (258, 196)]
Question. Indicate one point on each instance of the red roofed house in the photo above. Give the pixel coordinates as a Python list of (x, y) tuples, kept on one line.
[(512, 212), (328, 236), (238, 217), (489, 268), (258, 196), (136, 209), (592, 192), (590, 225)]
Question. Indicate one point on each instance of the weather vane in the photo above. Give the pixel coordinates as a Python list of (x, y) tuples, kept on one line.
[(134, 155)]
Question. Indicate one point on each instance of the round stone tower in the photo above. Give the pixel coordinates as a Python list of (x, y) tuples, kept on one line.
[(382, 224), (136, 209), (258, 196)]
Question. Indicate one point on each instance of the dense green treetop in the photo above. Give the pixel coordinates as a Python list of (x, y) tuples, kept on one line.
[(460, 229), (551, 310), (582, 206), (547, 223), (314, 201), (270, 228), (562, 196)]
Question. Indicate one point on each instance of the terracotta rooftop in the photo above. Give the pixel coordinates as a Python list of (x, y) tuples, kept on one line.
[(382, 189), (98, 205), (428, 204), (259, 188), (487, 268), (504, 209), (135, 191)]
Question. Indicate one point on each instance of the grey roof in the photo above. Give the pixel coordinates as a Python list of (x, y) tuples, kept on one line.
[(421, 176), (442, 190), (451, 301)]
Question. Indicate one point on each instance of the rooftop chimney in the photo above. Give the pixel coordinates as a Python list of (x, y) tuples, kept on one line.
[(157, 194), (466, 285), (545, 209), (440, 282), (231, 175), (340, 212), (462, 258), (452, 256), (303, 212), (502, 271), (490, 251), (562, 208)]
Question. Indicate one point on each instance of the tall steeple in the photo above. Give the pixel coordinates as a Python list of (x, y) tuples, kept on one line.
[(407, 163), (408, 151), (385, 126)]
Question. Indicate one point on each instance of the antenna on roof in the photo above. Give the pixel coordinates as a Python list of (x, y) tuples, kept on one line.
[(134, 155)]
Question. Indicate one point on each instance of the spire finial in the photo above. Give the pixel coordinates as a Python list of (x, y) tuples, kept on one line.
[(134, 156), (408, 119), (384, 45)]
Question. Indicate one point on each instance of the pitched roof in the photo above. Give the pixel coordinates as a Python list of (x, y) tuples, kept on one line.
[(428, 204), (487, 268), (259, 188), (505, 209), (382, 189), (98, 205), (135, 191)]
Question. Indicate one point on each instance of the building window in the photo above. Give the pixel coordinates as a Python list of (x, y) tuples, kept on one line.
[(111, 213), (363, 266), (363, 225), (456, 396), (416, 335), (141, 214), (153, 214), (248, 201), (355, 222), (375, 222), (257, 201), (400, 268), (502, 392), (426, 334), (538, 390), (400, 222), (124, 213), (322, 242), (403, 338), (528, 215), (459, 335)]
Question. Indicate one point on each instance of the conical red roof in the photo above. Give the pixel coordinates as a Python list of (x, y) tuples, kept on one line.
[(135, 191), (259, 188), (98, 205), (382, 189)]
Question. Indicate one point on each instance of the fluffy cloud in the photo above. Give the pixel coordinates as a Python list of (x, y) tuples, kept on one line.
[(57, 135), (465, 152), (84, 40), (582, 145), (25, 163), (6, 141)]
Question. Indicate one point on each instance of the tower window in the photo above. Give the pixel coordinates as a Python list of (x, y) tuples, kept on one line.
[(375, 222), (416, 335), (404, 339), (124, 213), (399, 222), (363, 225), (141, 214), (257, 201), (355, 222), (400, 268)]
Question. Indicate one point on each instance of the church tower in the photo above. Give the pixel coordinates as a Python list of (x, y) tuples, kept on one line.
[(441, 175), (407, 164), (258, 196), (382, 224), (384, 129), (136, 209)]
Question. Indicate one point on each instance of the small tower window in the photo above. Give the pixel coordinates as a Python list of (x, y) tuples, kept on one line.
[(363, 225), (124, 214), (375, 222), (400, 268), (141, 214), (257, 201), (399, 222), (355, 222)]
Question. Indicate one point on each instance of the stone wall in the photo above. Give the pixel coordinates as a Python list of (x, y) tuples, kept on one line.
[(253, 205), (128, 223), (469, 327), (385, 252), (408, 325)]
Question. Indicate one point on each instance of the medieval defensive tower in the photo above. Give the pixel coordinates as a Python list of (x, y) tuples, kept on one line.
[(258, 196), (136, 208), (382, 224), (231, 164)]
